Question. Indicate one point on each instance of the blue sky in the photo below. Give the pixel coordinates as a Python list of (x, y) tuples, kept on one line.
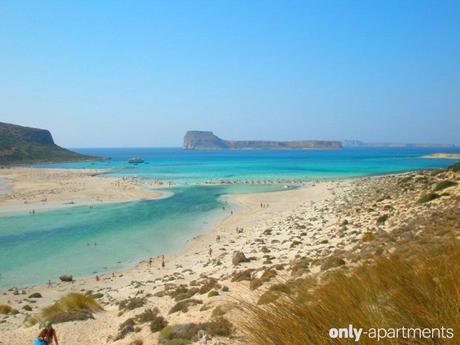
[(141, 73)]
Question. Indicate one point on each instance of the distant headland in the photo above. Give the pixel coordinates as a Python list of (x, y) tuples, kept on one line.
[(206, 140), (358, 143), (25, 145)]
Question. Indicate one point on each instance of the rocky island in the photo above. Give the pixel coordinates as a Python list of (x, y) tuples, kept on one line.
[(207, 140), (24, 145)]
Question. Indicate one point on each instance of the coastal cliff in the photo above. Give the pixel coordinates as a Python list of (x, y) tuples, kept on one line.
[(24, 145), (206, 140)]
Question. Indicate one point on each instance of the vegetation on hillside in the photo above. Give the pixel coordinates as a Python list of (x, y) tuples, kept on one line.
[(416, 286), (24, 145)]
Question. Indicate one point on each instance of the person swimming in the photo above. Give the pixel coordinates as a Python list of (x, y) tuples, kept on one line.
[(47, 335)]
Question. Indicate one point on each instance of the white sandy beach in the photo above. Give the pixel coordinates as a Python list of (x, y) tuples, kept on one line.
[(40, 189), (455, 156)]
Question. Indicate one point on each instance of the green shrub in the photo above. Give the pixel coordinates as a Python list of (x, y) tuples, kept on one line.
[(427, 198), (132, 303), (125, 328), (158, 324), (454, 167), (183, 292), (382, 219), (184, 305), (217, 312), (213, 293), (444, 184), (209, 284), (147, 315)]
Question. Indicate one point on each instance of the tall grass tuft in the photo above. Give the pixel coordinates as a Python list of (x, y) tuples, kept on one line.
[(72, 307), (423, 291)]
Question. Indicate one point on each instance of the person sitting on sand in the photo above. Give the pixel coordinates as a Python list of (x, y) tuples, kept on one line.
[(47, 335)]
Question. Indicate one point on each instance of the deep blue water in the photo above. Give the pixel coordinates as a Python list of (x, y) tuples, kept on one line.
[(104, 238)]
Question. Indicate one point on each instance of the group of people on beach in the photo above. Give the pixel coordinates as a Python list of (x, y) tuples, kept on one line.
[(239, 230), (162, 261)]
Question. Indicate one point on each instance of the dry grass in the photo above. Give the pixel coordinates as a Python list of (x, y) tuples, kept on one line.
[(368, 237), (71, 307), (5, 309), (136, 342), (419, 287)]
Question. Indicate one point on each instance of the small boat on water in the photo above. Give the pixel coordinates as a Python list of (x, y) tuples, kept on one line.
[(135, 160)]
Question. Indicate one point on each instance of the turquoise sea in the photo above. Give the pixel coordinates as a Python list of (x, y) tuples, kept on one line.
[(84, 240)]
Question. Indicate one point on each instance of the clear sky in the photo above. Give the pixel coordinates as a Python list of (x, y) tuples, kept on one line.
[(141, 73)]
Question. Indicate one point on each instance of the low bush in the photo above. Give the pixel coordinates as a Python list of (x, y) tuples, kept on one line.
[(454, 167), (217, 312), (184, 305), (444, 184), (209, 284), (132, 303), (157, 322), (382, 219), (332, 262), (428, 197), (242, 275), (187, 333), (213, 293), (125, 328)]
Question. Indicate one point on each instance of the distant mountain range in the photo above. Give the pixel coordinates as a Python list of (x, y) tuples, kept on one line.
[(358, 143), (25, 145), (205, 140)]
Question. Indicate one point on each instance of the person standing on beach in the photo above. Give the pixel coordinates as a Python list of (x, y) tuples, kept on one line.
[(163, 261), (47, 335), (210, 251)]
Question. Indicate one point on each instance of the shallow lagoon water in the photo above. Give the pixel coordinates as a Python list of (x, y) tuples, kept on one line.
[(104, 238), (86, 240)]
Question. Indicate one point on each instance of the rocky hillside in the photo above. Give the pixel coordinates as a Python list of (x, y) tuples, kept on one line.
[(204, 140), (22, 145)]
